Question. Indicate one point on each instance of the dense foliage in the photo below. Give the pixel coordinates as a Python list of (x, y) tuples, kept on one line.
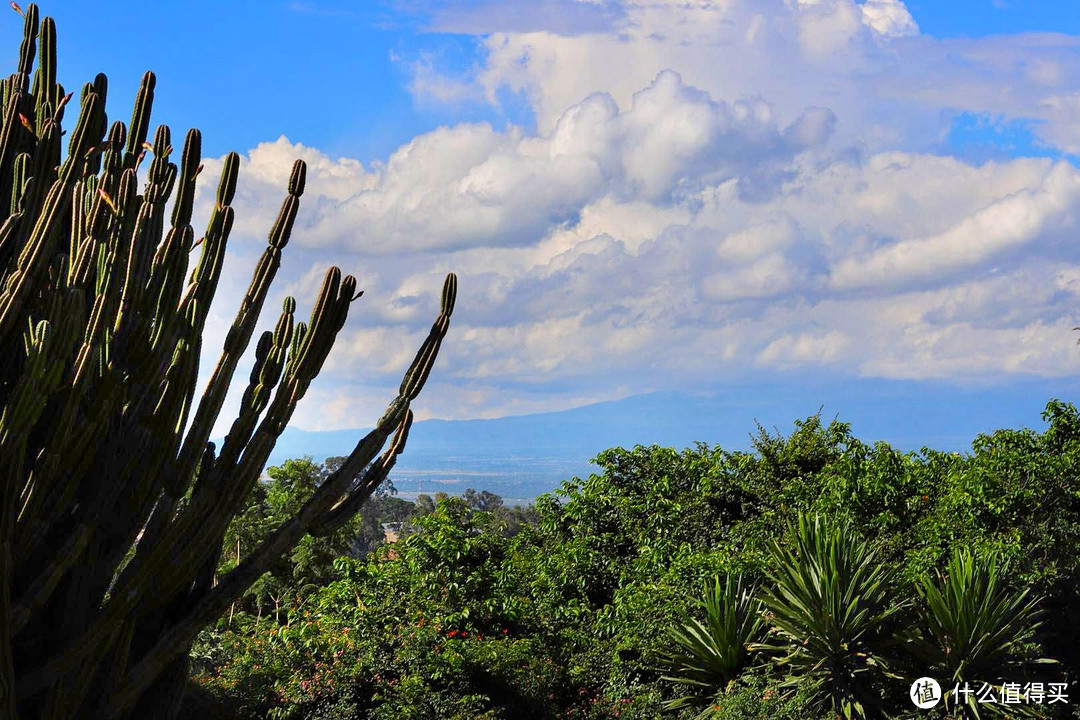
[(865, 558)]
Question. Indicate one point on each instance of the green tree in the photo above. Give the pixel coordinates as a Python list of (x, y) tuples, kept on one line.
[(269, 507), (586, 594), (425, 504), (484, 501)]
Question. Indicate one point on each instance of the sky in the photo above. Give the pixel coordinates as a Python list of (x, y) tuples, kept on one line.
[(636, 195)]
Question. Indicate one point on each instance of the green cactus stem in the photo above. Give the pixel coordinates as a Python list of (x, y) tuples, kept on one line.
[(113, 502)]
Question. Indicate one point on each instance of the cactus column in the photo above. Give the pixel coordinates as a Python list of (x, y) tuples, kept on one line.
[(101, 324)]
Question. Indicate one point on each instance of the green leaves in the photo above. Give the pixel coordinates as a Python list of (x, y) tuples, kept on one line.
[(115, 505), (831, 603), (706, 657), (837, 535), (975, 628), (268, 507)]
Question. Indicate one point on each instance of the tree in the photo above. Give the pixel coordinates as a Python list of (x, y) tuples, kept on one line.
[(103, 441), (425, 505), (484, 501), (570, 617), (270, 506)]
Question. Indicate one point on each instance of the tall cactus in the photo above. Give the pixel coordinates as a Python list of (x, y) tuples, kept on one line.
[(103, 447)]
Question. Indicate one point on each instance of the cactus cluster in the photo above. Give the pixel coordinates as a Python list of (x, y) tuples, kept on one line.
[(113, 502)]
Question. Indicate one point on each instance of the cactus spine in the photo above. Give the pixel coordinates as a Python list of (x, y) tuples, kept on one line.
[(101, 325)]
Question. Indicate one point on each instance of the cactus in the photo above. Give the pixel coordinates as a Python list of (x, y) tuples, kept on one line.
[(113, 502)]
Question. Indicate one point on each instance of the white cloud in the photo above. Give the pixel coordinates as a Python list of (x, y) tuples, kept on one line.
[(889, 18), (901, 265), (1061, 129), (892, 87), (474, 186), (713, 187), (428, 84), (1008, 223), (804, 349)]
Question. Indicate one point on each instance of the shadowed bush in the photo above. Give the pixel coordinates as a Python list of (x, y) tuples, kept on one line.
[(830, 603), (978, 630)]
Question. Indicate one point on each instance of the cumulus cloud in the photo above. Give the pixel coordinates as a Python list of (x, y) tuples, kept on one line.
[(1007, 223), (898, 265), (789, 351), (712, 189), (474, 186), (888, 18), (892, 87)]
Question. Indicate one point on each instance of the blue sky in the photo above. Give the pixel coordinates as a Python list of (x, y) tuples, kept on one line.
[(358, 60), (331, 75), (977, 18), (638, 195)]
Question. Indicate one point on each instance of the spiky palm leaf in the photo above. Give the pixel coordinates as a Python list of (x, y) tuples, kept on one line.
[(705, 657), (975, 629), (831, 604)]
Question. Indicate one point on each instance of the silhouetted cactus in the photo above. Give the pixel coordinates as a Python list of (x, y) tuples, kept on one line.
[(100, 337)]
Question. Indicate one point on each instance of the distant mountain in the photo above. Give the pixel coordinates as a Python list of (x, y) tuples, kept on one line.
[(520, 457)]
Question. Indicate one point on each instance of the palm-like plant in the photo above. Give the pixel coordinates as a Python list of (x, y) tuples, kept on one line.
[(831, 604), (706, 657), (977, 629)]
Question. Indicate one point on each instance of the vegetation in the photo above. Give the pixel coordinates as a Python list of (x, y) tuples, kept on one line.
[(831, 604), (113, 504), (707, 657), (130, 546), (977, 627), (836, 573)]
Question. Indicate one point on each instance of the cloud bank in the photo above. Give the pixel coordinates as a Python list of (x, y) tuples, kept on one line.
[(712, 190)]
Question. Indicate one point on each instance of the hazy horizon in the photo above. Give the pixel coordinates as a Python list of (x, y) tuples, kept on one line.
[(636, 195), (523, 456)]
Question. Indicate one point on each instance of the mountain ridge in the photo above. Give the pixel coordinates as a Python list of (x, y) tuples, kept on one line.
[(524, 455)]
